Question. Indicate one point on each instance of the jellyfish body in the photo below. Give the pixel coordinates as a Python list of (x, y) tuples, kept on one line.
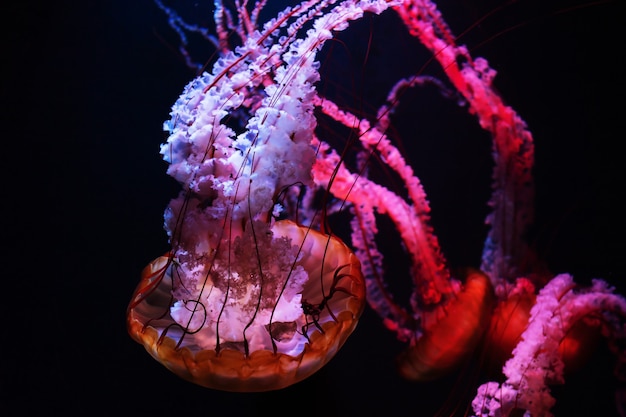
[(248, 300)]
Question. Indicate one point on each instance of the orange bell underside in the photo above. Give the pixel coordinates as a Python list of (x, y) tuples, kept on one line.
[(453, 337), (264, 370)]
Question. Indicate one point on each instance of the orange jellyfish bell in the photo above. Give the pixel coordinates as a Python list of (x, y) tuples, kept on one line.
[(333, 299), (452, 337)]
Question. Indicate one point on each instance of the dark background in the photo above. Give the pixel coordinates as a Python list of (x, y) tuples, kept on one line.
[(86, 88)]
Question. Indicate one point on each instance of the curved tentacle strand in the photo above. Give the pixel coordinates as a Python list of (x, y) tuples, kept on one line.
[(431, 276), (505, 249), (537, 359)]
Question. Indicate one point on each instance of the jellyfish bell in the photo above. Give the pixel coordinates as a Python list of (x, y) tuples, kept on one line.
[(451, 338), (263, 345)]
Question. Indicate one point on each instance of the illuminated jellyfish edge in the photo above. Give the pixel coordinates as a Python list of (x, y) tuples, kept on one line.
[(262, 370), (454, 336)]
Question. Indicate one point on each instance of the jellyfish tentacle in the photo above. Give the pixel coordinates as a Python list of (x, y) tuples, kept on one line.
[(395, 317), (412, 220), (537, 360), (354, 188), (513, 150)]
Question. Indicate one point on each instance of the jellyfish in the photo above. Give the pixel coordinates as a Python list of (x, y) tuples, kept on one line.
[(249, 298)]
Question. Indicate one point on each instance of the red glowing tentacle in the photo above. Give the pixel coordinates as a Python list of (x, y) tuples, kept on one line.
[(395, 318), (429, 270), (220, 28), (513, 150), (415, 234), (506, 251)]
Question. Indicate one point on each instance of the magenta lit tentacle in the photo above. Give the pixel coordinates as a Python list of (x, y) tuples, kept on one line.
[(513, 149)]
